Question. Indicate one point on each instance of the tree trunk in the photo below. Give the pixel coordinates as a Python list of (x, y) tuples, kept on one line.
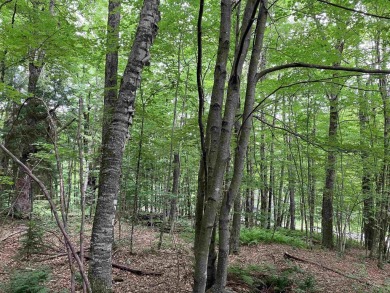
[(134, 216), (236, 226), (216, 178), (240, 151), (330, 171), (383, 221), (271, 188), (368, 200), (113, 146), (327, 200), (213, 130), (291, 183), (175, 190), (33, 115), (263, 176)]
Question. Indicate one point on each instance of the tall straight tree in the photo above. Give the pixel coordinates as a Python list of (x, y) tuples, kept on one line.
[(113, 146), (330, 177), (203, 233), (240, 151), (213, 127)]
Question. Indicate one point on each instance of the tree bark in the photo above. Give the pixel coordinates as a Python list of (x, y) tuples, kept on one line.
[(113, 146), (263, 176), (366, 181), (214, 119), (327, 200), (240, 151), (214, 191), (330, 171), (175, 190), (291, 183)]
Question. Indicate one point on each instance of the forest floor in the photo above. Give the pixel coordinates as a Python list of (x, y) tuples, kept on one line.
[(326, 271)]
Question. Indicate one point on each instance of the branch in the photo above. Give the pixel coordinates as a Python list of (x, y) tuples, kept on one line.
[(292, 257), (324, 147), (328, 79), (54, 210), (306, 139), (66, 125), (127, 269), (12, 234), (263, 73), (354, 10), (5, 2), (200, 87)]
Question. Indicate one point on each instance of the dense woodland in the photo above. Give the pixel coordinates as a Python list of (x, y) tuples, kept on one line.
[(210, 116)]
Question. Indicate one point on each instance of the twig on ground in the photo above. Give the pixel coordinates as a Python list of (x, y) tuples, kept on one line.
[(12, 234), (292, 257)]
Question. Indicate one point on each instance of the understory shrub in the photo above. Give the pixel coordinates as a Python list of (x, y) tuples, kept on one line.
[(281, 236), (28, 281), (32, 242), (269, 279)]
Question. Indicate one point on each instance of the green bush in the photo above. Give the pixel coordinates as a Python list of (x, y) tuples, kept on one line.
[(270, 279), (281, 236), (28, 282)]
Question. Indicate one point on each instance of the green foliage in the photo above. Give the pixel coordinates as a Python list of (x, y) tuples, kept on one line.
[(282, 236), (270, 279), (33, 241), (188, 234), (27, 281)]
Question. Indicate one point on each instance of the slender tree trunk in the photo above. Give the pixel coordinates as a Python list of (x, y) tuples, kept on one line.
[(263, 176), (330, 171), (213, 130), (83, 180), (312, 184), (368, 200), (214, 120), (291, 183), (385, 196), (327, 200), (240, 151), (214, 190), (113, 146), (236, 226), (271, 188), (249, 202), (134, 217), (175, 190)]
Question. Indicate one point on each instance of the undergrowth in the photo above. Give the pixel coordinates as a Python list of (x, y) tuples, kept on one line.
[(33, 241), (268, 278), (282, 236), (28, 281)]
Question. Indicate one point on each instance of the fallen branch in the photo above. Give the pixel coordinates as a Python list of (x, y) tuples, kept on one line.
[(289, 256), (12, 234), (127, 269)]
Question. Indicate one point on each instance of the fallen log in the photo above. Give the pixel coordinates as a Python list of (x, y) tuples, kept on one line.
[(127, 269), (114, 265), (292, 257)]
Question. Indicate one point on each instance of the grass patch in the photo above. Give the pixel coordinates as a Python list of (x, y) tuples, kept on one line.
[(282, 236)]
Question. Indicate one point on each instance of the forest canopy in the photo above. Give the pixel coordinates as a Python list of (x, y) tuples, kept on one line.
[(207, 115)]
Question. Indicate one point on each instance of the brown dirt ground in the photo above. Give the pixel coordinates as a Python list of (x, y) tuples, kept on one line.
[(175, 261)]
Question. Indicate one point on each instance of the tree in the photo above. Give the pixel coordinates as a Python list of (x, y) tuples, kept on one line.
[(113, 146)]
